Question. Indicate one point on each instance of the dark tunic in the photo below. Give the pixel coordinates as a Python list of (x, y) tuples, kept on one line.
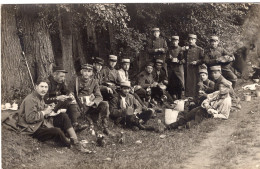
[(156, 43), (110, 75), (55, 89), (194, 53), (144, 79), (159, 76), (176, 70)]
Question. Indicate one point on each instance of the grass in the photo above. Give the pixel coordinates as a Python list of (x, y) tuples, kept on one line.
[(20, 151)]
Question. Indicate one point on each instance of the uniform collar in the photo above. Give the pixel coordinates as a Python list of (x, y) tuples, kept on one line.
[(36, 94)]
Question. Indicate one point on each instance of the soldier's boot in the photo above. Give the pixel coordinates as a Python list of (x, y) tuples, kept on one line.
[(76, 145), (79, 127), (105, 128)]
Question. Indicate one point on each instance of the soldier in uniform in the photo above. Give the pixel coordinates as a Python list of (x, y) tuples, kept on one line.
[(216, 55), (111, 78), (175, 69), (194, 56), (157, 47), (125, 109), (158, 74), (145, 81), (205, 86), (89, 98), (97, 67), (34, 119), (59, 94), (123, 72)]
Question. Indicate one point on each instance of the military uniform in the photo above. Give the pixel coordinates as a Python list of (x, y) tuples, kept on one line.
[(212, 56), (34, 123), (193, 53), (124, 108), (56, 89), (100, 109), (157, 43), (176, 71)]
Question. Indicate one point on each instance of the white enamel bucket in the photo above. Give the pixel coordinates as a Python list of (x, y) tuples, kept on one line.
[(170, 116), (179, 105)]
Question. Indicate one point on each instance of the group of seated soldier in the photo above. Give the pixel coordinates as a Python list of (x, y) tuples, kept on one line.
[(102, 93)]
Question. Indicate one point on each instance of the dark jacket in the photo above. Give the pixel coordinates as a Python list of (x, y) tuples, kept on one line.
[(156, 43), (115, 105), (55, 89)]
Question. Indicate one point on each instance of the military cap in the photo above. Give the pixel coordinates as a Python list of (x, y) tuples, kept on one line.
[(215, 38), (155, 29), (159, 61), (150, 64), (226, 83), (59, 69), (99, 60), (175, 37), (125, 60), (192, 36), (125, 84), (113, 58), (87, 66), (203, 70), (217, 67)]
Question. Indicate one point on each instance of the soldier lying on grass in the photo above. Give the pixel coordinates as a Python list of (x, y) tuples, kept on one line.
[(217, 105)]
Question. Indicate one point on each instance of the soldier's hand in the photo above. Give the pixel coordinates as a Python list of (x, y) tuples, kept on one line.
[(162, 50), (91, 104), (109, 90), (62, 97), (47, 111), (156, 50)]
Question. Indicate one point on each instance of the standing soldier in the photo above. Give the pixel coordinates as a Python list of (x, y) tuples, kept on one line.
[(110, 77), (59, 94), (216, 55), (175, 69), (194, 56), (89, 97), (157, 47), (97, 67)]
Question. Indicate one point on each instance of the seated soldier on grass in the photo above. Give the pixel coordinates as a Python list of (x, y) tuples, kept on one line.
[(110, 78), (35, 120), (126, 110), (89, 98), (205, 86), (217, 105), (59, 94)]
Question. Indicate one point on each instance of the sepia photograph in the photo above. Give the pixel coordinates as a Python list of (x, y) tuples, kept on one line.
[(130, 85)]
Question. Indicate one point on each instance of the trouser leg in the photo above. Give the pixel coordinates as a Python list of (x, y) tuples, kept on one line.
[(73, 113), (229, 75), (188, 116), (141, 93), (62, 121), (44, 134), (61, 105)]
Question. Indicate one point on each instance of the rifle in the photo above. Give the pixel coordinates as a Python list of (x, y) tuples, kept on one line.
[(23, 54)]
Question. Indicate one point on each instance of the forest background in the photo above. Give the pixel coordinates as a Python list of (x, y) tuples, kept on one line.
[(72, 34)]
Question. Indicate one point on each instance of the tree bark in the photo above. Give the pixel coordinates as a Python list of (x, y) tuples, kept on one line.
[(36, 40), (65, 29), (14, 74)]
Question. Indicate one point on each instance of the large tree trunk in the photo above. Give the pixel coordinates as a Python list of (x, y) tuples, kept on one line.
[(36, 40), (14, 75), (65, 28)]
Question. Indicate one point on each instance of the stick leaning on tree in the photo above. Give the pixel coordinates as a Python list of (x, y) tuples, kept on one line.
[(23, 54)]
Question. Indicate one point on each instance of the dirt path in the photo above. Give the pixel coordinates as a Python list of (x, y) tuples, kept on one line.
[(204, 156)]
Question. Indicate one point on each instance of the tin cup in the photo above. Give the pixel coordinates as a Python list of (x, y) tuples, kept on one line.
[(175, 60)]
